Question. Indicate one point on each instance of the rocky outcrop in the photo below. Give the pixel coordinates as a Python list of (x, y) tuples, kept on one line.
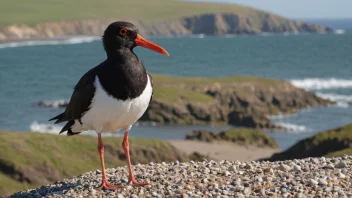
[(238, 101), (209, 24), (332, 143), (242, 136)]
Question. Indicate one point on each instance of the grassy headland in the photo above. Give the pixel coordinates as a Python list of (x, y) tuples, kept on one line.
[(38, 11), (39, 19)]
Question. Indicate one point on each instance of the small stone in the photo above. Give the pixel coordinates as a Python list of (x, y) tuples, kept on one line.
[(232, 168), (284, 167), (329, 166), (248, 166), (154, 194), (184, 195), (247, 191), (341, 165), (322, 181), (328, 189), (227, 173), (297, 168), (300, 195), (133, 196), (341, 175), (312, 182)]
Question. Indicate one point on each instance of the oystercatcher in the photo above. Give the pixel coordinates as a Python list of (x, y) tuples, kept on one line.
[(113, 95)]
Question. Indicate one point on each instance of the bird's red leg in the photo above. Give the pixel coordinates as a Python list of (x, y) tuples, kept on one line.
[(105, 184), (126, 148)]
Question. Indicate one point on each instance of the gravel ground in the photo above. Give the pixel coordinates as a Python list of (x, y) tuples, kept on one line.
[(311, 177)]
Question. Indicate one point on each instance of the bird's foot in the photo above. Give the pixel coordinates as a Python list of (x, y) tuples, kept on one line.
[(134, 182), (107, 186)]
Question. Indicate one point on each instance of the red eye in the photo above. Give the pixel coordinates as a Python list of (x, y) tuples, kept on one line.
[(123, 31)]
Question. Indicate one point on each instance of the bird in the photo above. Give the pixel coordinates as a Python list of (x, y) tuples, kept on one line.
[(113, 95)]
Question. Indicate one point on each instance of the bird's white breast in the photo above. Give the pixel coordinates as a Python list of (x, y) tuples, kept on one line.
[(108, 114)]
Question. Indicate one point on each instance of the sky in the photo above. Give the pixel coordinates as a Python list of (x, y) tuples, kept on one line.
[(300, 9)]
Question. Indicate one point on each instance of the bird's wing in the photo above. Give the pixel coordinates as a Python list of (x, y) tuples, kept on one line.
[(81, 98), (151, 82)]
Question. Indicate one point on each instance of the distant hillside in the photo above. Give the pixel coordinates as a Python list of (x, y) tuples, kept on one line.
[(52, 19)]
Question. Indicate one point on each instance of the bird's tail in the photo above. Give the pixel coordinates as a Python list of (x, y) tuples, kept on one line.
[(68, 128), (58, 118), (68, 125)]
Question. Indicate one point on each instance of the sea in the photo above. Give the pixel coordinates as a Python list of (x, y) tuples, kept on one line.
[(36, 71)]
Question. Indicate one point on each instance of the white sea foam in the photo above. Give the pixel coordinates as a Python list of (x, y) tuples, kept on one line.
[(52, 103), (322, 83), (44, 128), (339, 31), (35, 126), (68, 41), (291, 127), (341, 100)]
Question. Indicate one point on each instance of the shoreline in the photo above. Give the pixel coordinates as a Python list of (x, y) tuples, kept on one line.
[(67, 37), (223, 150)]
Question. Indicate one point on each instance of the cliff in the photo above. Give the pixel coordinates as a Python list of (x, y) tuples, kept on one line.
[(331, 143), (212, 24)]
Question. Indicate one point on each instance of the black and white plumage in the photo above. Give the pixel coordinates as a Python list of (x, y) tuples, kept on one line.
[(113, 95)]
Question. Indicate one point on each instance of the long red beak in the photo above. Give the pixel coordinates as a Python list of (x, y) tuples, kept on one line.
[(140, 41)]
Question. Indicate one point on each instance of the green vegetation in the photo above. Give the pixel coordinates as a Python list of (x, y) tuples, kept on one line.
[(32, 159), (248, 136), (36, 11), (244, 136), (172, 94), (172, 89), (331, 143), (162, 80)]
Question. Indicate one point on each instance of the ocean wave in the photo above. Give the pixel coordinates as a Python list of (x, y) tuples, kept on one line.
[(52, 104), (322, 83), (291, 127), (341, 100), (68, 41), (339, 31), (35, 126), (44, 128)]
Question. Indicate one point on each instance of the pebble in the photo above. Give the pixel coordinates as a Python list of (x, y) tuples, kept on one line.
[(297, 168), (311, 177), (329, 166), (322, 181), (341, 165), (284, 167), (232, 168), (312, 182)]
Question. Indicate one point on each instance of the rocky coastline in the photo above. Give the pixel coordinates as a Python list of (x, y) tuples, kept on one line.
[(239, 101), (211, 24)]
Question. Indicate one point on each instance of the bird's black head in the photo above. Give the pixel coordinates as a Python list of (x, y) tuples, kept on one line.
[(124, 35)]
